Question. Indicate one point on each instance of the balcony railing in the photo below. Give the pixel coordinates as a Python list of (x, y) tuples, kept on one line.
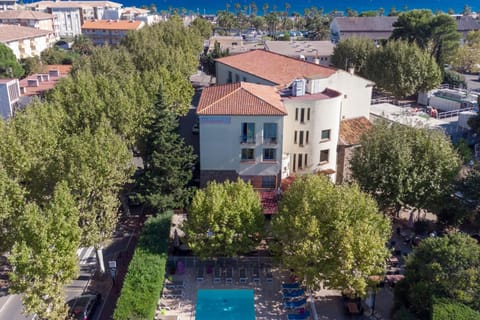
[(270, 141), (247, 140)]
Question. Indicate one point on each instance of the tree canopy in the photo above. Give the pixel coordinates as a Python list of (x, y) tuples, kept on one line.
[(440, 267), (467, 57), (402, 69), (9, 65), (435, 33), (330, 234), (352, 52), (224, 219), (404, 166)]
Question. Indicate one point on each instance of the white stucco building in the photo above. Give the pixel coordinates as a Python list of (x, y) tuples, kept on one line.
[(25, 41), (9, 96), (29, 18), (241, 133), (317, 100)]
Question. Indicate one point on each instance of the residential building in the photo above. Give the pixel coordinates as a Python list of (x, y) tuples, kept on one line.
[(8, 5), (9, 97), (234, 44), (70, 15), (133, 13), (374, 28), (25, 41), (241, 129), (109, 31), (381, 28), (316, 99), (29, 18), (319, 52)]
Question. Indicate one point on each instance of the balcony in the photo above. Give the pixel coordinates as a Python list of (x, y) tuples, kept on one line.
[(270, 141), (247, 140)]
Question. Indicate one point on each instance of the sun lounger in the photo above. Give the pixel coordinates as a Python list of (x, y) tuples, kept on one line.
[(243, 275), (173, 294), (229, 275), (298, 316), (179, 284), (200, 273), (296, 304), (217, 274), (293, 294), (290, 286), (255, 275)]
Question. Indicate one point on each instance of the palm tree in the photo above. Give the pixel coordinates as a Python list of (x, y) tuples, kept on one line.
[(265, 8), (253, 8)]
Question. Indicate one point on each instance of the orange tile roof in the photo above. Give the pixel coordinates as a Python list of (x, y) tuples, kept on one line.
[(44, 85), (275, 67), (241, 98), (113, 24), (352, 129)]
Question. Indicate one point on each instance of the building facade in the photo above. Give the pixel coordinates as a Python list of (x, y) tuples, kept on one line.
[(26, 42), (9, 97), (110, 32), (29, 18)]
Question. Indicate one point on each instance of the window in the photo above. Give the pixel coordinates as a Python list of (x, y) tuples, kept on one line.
[(229, 80), (237, 78), (244, 79), (294, 162), (308, 114), (306, 159), (300, 162), (268, 182), (269, 154), (248, 132), (270, 133), (301, 139), (324, 156), (302, 115), (295, 137), (248, 154), (296, 114), (306, 137), (326, 134)]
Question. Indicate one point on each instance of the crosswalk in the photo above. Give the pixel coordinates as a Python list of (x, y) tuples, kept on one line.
[(86, 256)]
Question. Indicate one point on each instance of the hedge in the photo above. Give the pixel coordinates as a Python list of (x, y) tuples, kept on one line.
[(144, 279), (447, 310)]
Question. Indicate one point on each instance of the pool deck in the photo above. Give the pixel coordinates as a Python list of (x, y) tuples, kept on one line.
[(267, 295)]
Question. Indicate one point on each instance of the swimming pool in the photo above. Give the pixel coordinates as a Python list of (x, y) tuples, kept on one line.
[(213, 304)]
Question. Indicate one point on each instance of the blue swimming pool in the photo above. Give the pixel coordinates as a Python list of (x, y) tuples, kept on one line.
[(213, 304)]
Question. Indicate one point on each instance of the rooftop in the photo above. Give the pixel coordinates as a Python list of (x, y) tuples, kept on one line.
[(25, 15), (74, 4), (352, 129), (325, 94), (10, 32), (346, 24), (297, 48), (44, 84), (274, 67), (241, 98), (113, 24)]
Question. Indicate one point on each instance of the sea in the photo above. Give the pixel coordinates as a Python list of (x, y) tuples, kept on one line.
[(212, 7)]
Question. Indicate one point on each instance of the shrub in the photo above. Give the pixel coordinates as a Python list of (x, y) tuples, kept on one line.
[(447, 309), (144, 279)]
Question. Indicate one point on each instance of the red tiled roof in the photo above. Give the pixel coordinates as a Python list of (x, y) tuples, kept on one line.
[(241, 98), (275, 67), (269, 201), (352, 129), (44, 85), (113, 24)]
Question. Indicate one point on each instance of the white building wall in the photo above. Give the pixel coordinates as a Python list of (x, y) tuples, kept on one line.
[(31, 47), (324, 115), (220, 144), (68, 20), (9, 95), (444, 104)]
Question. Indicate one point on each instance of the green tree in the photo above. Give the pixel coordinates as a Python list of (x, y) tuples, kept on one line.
[(82, 45), (402, 69), (352, 52), (208, 60), (32, 65), (224, 219), (168, 162), (467, 57), (440, 267), (404, 166), (369, 13), (9, 65), (56, 55), (454, 78), (44, 257), (435, 33), (444, 309), (331, 234), (203, 27)]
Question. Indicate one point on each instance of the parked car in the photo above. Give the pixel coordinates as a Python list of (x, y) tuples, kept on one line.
[(83, 307)]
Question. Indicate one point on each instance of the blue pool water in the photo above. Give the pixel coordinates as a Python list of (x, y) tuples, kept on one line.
[(215, 304)]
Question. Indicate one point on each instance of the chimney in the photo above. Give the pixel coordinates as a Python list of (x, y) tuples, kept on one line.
[(316, 61), (32, 82), (351, 70)]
